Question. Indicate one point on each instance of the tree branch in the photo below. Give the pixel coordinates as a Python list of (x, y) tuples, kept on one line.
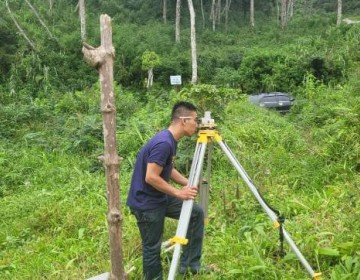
[(94, 56), (22, 32), (39, 18)]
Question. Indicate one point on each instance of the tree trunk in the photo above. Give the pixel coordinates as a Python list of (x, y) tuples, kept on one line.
[(252, 17), (150, 79), (213, 15), (102, 58), (193, 43), (218, 12), (339, 12), (165, 11), (202, 12), (177, 21), (290, 11), (283, 15), (22, 32), (227, 8), (82, 15), (51, 4), (39, 18)]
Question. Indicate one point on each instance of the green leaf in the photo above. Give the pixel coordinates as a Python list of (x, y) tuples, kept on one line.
[(329, 252), (235, 271), (70, 263), (257, 267), (81, 233)]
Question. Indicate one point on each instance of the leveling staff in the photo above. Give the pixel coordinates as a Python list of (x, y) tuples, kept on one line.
[(152, 198)]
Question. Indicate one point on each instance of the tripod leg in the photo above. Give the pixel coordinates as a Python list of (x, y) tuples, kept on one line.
[(186, 209), (271, 214), (247, 180), (205, 184)]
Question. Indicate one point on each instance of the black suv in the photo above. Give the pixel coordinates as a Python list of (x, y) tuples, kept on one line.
[(279, 101)]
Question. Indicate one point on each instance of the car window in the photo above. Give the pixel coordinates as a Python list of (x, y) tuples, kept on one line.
[(283, 98), (269, 99)]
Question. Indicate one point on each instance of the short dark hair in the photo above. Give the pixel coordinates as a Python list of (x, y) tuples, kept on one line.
[(182, 108)]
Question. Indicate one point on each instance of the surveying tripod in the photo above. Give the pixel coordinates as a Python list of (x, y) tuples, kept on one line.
[(207, 134)]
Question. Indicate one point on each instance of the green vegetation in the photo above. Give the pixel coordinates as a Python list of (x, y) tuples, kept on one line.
[(305, 163)]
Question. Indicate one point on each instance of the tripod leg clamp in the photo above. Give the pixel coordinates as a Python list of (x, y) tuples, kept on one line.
[(276, 224), (180, 240), (317, 276)]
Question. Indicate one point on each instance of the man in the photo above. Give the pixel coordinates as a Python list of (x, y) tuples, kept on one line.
[(152, 198)]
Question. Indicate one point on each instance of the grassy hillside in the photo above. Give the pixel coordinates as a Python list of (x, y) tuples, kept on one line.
[(306, 164)]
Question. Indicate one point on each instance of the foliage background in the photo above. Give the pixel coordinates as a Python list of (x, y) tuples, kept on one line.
[(306, 163)]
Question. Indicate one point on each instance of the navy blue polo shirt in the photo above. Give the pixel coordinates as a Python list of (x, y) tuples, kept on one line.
[(161, 150)]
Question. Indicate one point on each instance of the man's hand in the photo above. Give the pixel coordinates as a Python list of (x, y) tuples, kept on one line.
[(187, 193)]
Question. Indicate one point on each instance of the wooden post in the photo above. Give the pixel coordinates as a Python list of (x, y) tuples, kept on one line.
[(102, 59)]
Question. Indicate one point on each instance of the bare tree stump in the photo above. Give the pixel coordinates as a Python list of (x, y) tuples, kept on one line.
[(102, 58)]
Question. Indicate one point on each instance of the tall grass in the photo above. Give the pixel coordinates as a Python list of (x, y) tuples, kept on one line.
[(53, 203)]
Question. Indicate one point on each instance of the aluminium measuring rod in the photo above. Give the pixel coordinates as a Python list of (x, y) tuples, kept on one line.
[(208, 133)]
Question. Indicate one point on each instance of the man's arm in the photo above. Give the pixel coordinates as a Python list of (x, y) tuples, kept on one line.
[(177, 177), (154, 179)]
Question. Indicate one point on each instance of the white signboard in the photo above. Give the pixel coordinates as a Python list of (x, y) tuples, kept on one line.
[(175, 80)]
